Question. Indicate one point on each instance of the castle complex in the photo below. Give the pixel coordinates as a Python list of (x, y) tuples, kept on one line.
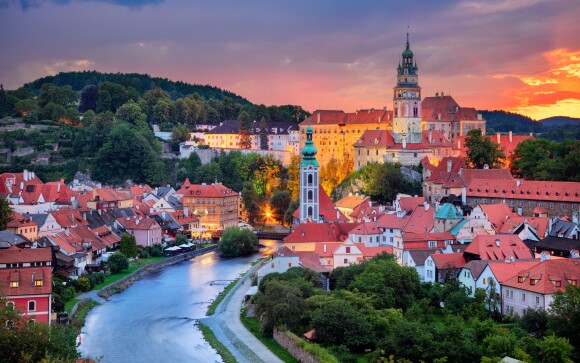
[(415, 129)]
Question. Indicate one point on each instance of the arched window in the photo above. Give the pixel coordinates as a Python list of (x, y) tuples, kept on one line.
[(309, 211), (32, 305), (309, 195), (309, 179), (10, 305)]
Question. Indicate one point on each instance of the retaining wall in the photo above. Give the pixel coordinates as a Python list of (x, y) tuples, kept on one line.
[(288, 343)]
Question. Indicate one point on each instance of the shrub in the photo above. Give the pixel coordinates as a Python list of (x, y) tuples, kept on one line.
[(83, 284), (118, 262), (68, 293)]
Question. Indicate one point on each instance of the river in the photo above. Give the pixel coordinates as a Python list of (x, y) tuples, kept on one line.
[(154, 320)]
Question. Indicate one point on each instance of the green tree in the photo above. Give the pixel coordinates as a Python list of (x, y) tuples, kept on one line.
[(556, 350), (251, 201), (482, 151), (161, 111), (53, 112), (294, 177), (24, 107), (541, 159), (384, 181), (564, 316), (245, 131), (281, 303), (534, 321), (4, 104), (5, 214), (237, 242), (89, 98), (179, 134), (128, 246), (280, 202), (62, 96), (118, 262), (131, 112), (263, 134)]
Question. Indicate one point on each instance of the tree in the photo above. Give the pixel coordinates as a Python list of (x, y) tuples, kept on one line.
[(128, 246), (237, 242), (281, 303), (131, 112), (289, 214), (62, 96), (251, 201), (24, 107), (245, 130), (556, 350), (89, 98), (542, 159), (179, 134), (534, 321), (118, 262), (492, 297), (263, 134), (5, 214), (161, 111), (294, 177), (564, 317), (4, 104), (384, 181), (280, 202), (482, 151)]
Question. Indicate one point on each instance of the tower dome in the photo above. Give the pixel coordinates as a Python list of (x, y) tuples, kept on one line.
[(309, 150)]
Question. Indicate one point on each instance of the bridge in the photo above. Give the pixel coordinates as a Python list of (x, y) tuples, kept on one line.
[(260, 234)]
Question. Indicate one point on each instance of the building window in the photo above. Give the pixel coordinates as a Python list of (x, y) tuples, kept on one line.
[(432, 244), (14, 284), (32, 305), (289, 264), (551, 205), (345, 261), (523, 297), (38, 283), (484, 281), (537, 300), (562, 206)]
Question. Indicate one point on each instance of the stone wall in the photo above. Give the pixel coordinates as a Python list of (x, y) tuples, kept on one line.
[(288, 343)]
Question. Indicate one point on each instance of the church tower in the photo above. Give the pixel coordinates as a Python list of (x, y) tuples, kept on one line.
[(309, 203), (407, 101)]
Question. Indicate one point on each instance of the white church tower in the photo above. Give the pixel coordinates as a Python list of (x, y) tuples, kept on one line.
[(309, 183), (407, 101)]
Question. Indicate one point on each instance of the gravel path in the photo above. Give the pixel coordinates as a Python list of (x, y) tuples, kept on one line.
[(227, 327)]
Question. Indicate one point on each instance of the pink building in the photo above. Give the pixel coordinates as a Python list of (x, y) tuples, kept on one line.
[(147, 232), (535, 286)]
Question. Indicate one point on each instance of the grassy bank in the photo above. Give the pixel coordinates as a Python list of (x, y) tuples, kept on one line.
[(210, 337), (220, 297), (133, 266), (70, 304), (78, 319), (253, 326)]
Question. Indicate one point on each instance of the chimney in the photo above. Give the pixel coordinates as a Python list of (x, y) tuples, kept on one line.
[(404, 142), (31, 175), (163, 214), (518, 182), (531, 134), (325, 248), (574, 254), (449, 165), (25, 175), (136, 221), (497, 242), (379, 119), (58, 188), (385, 108), (21, 186), (498, 135), (318, 117), (430, 136), (544, 256), (337, 215), (510, 136), (66, 232), (458, 143), (426, 205), (479, 116), (439, 116), (186, 211), (464, 195)]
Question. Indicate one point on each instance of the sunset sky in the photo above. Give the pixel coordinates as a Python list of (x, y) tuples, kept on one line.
[(516, 55)]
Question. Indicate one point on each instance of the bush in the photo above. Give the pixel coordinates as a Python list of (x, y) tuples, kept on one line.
[(83, 284), (154, 251), (118, 262), (238, 242), (143, 253), (68, 293)]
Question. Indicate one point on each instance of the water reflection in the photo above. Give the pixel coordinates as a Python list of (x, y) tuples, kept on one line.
[(154, 320)]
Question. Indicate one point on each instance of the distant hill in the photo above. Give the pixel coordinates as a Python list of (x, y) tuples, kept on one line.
[(503, 121), (560, 121), (140, 82)]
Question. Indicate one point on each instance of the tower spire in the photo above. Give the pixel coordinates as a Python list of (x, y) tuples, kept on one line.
[(407, 36)]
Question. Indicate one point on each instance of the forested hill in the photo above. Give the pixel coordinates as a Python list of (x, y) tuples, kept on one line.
[(140, 82), (560, 121), (503, 121)]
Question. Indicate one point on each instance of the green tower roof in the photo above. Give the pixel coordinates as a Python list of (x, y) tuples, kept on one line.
[(309, 151)]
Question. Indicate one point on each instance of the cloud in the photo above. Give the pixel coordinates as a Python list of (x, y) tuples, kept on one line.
[(488, 7), (37, 69), (32, 4)]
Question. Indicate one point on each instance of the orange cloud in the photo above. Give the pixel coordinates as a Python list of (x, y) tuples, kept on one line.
[(555, 91)]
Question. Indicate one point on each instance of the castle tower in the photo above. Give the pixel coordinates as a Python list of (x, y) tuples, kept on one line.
[(309, 203), (407, 101)]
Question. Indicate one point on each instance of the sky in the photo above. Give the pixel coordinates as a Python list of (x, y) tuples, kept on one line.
[(516, 55)]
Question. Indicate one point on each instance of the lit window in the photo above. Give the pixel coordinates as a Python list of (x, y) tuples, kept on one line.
[(484, 281), (37, 282), (14, 284)]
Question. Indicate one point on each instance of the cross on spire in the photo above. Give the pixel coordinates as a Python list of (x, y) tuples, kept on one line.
[(407, 36)]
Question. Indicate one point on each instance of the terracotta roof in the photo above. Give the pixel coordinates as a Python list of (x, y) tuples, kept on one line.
[(438, 140), (206, 191), (20, 255), (139, 190), (320, 232), (448, 260), (365, 209), (139, 223), (504, 141), (182, 219), (528, 189), (476, 267), (110, 195), (505, 270), (410, 203), (366, 228), (456, 165), (18, 221), (431, 107), (494, 174), (369, 252), (497, 214), (25, 278), (67, 217), (420, 220), (375, 138), (487, 248), (546, 275), (106, 236), (391, 221), (10, 182), (336, 117), (330, 247), (50, 192), (540, 224), (351, 201)]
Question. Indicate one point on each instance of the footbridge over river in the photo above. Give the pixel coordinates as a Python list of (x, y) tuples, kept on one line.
[(262, 235)]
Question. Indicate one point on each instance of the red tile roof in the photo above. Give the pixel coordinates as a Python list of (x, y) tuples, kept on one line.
[(487, 248), (391, 221), (137, 191), (352, 201), (410, 203), (330, 248), (320, 232), (540, 224), (375, 138), (366, 228), (21, 255), (448, 260), (107, 237), (132, 223), (18, 221), (546, 275), (456, 165), (504, 141), (528, 189), (10, 182), (497, 214), (206, 191), (431, 107), (26, 277), (494, 174), (335, 117), (182, 219), (438, 140), (505, 270), (369, 252), (326, 208), (420, 221), (366, 210), (110, 195), (67, 217)]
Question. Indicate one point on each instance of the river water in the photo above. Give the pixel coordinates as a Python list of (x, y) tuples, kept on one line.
[(154, 320)]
